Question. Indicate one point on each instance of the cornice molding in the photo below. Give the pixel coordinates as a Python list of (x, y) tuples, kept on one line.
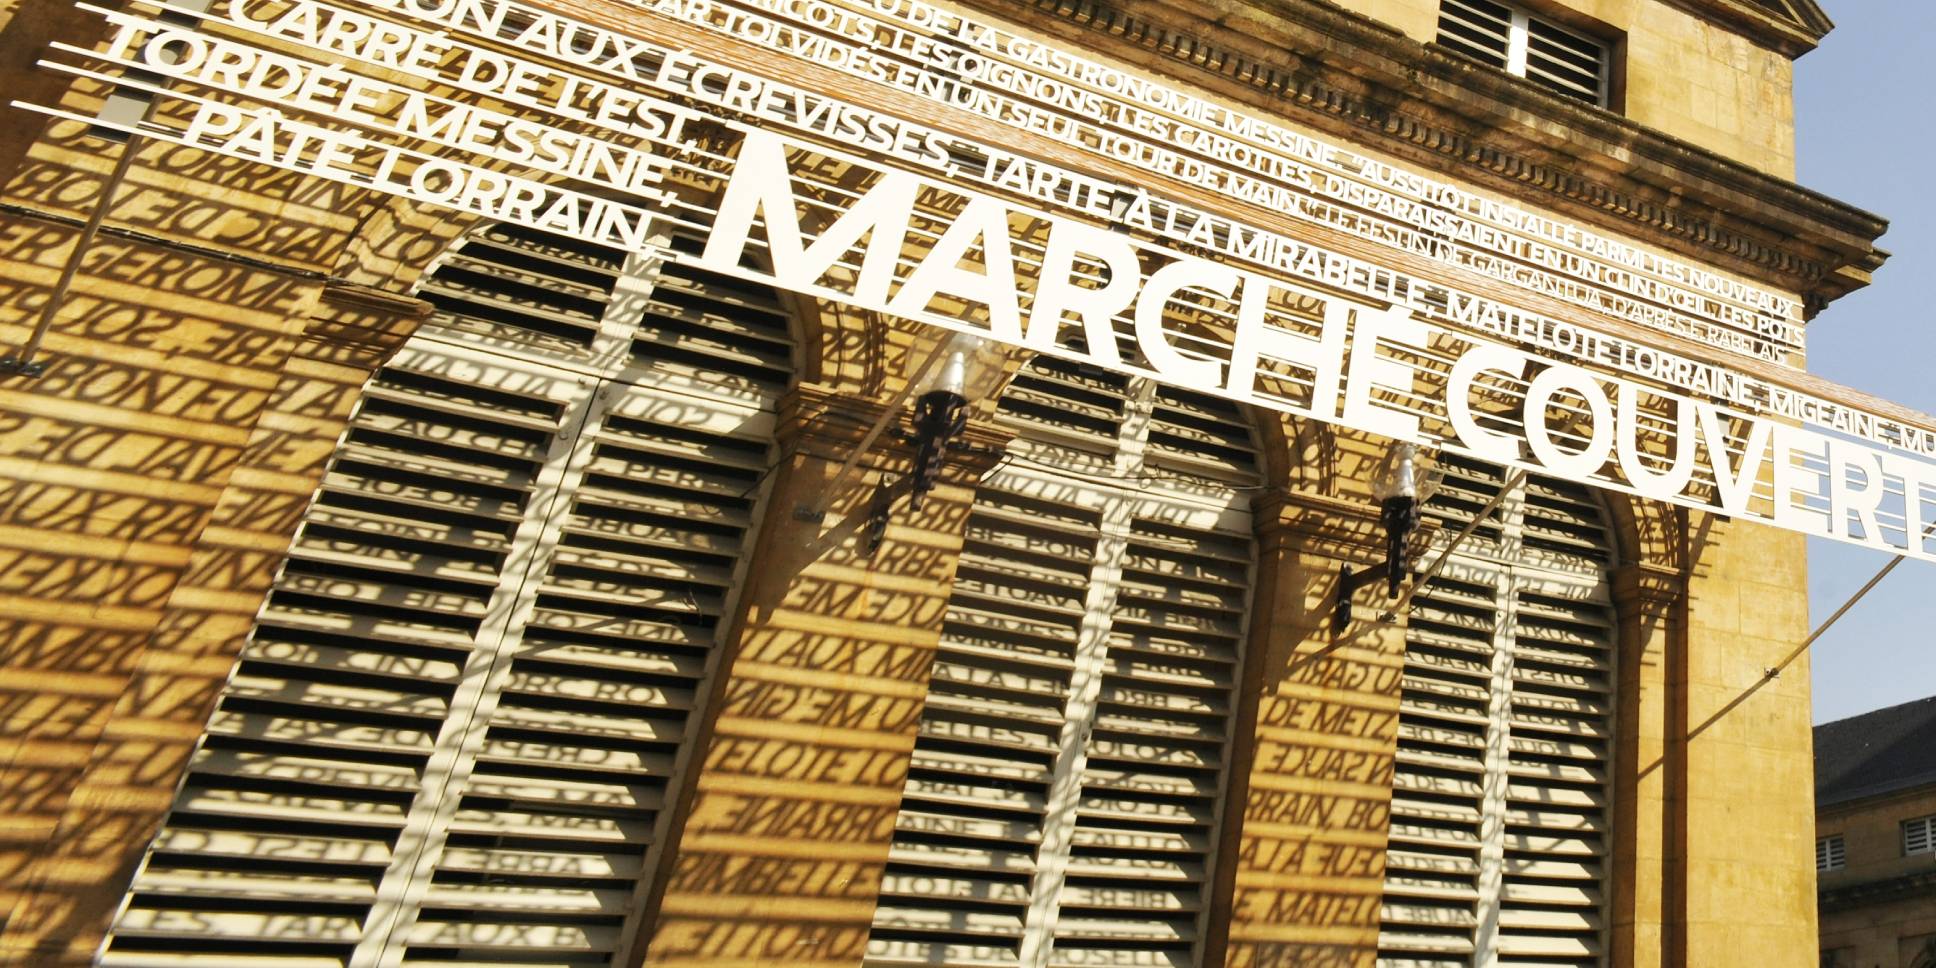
[(1792, 27), (1342, 73), (1920, 884)]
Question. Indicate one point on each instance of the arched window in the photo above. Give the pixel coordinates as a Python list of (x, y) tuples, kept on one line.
[(1499, 841), (1062, 803), (464, 711)]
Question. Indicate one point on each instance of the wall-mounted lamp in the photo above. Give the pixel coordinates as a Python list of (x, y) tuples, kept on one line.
[(1402, 483), (941, 412), (959, 370)]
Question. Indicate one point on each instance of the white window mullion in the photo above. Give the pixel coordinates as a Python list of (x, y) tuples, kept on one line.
[(1085, 685), (1525, 45), (1516, 44), (478, 670), (1493, 802), (403, 885), (1106, 574), (1831, 853), (1538, 749)]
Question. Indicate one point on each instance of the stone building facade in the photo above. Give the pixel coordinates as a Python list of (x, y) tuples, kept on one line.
[(385, 586), (1875, 850)]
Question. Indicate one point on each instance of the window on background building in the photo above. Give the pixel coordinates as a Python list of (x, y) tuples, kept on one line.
[(1062, 804), (1529, 46), (1925, 955), (1499, 821), (465, 706), (1919, 836), (1831, 854)]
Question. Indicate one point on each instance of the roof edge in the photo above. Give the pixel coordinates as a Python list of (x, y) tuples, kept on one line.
[(1344, 74), (1793, 35)]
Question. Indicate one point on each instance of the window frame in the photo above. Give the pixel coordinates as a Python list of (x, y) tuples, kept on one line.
[(1124, 446), (1919, 836), (1831, 854), (1513, 561), (1520, 32)]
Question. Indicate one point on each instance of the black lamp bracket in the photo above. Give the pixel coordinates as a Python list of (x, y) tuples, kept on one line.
[(1399, 515), (22, 366), (939, 416)]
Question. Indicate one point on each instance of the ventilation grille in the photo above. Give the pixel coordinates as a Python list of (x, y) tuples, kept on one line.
[(1063, 798), (1498, 831), (452, 734)]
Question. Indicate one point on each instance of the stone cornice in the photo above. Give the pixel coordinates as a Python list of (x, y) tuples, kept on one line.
[(1793, 35), (1921, 884), (1320, 65)]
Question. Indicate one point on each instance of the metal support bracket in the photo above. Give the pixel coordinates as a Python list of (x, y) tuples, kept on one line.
[(15, 366), (816, 513), (1348, 584)]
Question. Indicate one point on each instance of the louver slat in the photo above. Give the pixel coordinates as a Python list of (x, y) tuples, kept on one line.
[(1477, 29), (491, 635), (324, 725), (576, 758)]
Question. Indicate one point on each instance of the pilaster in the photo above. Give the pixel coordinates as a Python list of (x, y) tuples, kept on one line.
[(780, 854), (153, 492), (1311, 794), (1747, 818), (1648, 598)]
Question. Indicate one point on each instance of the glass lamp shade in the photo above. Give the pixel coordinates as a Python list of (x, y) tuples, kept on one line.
[(1404, 473), (964, 364)]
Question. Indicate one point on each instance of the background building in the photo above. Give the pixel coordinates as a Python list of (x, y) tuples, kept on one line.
[(1875, 837), (388, 587)]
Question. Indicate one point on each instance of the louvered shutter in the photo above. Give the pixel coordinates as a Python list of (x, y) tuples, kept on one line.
[(1499, 814), (1519, 43), (454, 730), (1831, 853), (1061, 807), (1919, 836), (1566, 62), (1479, 29)]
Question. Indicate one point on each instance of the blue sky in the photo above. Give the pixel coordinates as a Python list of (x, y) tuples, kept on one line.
[(1864, 136)]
